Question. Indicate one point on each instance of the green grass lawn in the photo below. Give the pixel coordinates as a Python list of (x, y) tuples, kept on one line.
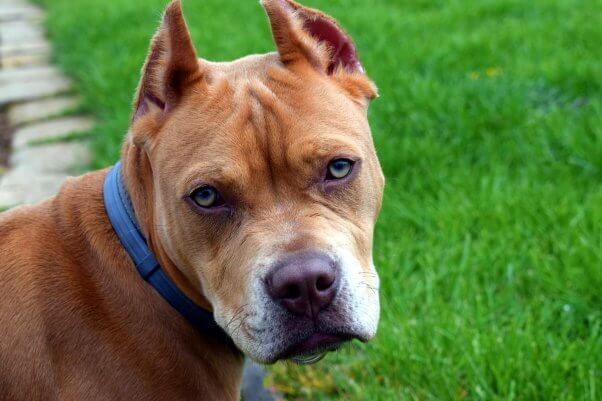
[(489, 128)]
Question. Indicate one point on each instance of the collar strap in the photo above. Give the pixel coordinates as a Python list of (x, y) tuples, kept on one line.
[(119, 208)]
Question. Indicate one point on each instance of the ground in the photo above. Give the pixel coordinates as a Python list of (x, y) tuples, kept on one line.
[(489, 128)]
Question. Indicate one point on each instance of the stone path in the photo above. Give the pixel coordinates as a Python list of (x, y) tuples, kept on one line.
[(35, 103), (35, 110)]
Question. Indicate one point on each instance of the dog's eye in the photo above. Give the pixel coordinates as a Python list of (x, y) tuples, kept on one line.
[(207, 197), (339, 168)]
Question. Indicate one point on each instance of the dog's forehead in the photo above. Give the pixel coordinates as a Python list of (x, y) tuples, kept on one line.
[(255, 114), (255, 65), (263, 79)]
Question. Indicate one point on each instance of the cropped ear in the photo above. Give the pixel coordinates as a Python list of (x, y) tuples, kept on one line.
[(302, 33), (171, 66)]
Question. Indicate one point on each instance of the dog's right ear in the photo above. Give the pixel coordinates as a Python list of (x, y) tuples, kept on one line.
[(171, 67), (304, 34)]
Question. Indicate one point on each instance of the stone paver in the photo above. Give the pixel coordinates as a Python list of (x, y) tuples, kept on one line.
[(14, 2), (50, 130), (19, 188), (24, 60), (39, 48), (22, 40), (10, 75), (18, 12), (28, 86), (22, 90), (42, 109), (20, 32), (62, 157)]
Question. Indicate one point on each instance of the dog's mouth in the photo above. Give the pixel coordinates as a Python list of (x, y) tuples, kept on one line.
[(313, 348)]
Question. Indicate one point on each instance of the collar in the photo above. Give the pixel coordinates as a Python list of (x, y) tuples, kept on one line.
[(120, 211)]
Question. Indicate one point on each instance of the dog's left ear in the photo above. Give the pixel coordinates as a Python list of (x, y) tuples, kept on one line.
[(171, 67), (306, 35)]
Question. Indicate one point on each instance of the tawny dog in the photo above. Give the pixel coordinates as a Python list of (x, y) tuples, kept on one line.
[(248, 189)]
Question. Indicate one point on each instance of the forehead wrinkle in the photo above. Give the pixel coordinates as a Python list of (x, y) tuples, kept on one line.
[(257, 117), (244, 142), (271, 102), (285, 143), (281, 76), (218, 97), (241, 106), (247, 126), (277, 117), (259, 135)]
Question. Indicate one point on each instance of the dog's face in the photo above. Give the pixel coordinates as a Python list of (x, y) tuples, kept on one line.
[(266, 185)]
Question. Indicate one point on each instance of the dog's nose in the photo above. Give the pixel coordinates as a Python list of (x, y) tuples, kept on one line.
[(305, 283)]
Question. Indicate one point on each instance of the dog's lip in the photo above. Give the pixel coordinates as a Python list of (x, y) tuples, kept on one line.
[(315, 344)]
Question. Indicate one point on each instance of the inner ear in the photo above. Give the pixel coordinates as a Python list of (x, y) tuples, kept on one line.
[(171, 66), (305, 33), (146, 97), (327, 31), (341, 47)]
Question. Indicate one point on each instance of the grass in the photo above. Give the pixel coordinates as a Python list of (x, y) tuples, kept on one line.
[(489, 127)]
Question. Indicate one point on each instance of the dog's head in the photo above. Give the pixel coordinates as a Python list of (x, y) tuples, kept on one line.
[(258, 181)]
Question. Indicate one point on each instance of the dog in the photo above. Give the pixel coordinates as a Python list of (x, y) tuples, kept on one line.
[(239, 222)]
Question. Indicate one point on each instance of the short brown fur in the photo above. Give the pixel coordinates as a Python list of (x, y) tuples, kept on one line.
[(77, 321)]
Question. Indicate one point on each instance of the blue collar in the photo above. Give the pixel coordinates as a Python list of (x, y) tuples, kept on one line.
[(121, 214)]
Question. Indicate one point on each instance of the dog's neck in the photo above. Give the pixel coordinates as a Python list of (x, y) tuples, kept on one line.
[(143, 338), (137, 173)]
